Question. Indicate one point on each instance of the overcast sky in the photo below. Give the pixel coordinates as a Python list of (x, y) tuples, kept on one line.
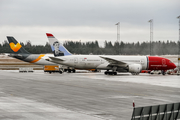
[(89, 20)]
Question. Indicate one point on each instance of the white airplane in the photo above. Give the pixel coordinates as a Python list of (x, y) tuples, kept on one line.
[(111, 63)]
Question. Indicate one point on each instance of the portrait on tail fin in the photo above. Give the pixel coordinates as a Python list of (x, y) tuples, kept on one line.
[(56, 51), (57, 48)]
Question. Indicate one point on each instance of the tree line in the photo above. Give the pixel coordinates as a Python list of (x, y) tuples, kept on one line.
[(92, 47)]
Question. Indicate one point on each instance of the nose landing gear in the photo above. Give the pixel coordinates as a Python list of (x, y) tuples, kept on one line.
[(163, 72)]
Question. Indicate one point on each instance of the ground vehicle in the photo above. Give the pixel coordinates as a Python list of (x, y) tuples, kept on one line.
[(52, 68)]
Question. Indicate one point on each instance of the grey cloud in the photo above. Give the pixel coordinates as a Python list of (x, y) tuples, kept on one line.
[(85, 12), (73, 17)]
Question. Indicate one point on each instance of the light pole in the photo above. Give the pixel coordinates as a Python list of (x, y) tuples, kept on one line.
[(179, 47), (118, 34), (151, 35), (118, 31)]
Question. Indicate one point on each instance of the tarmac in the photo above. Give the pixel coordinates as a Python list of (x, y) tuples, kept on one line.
[(81, 96)]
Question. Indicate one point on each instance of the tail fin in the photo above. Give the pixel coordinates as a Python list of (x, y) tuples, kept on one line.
[(15, 46), (57, 48)]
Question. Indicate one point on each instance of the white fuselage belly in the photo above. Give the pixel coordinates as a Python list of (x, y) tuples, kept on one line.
[(96, 62)]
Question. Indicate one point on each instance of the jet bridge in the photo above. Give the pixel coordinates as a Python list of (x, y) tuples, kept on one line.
[(158, 112)]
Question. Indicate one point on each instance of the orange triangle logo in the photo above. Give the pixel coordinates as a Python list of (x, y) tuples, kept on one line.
[(14, 47)]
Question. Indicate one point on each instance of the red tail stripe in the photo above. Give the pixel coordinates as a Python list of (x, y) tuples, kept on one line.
[(49, 35)]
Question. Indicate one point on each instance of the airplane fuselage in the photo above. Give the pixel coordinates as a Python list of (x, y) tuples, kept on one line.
[(34, 58), (97, 62)]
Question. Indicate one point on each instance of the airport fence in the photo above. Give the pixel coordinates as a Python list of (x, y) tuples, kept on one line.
[(158, 112)]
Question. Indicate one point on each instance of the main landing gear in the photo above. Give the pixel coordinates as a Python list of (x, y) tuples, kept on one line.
[(70, 70), (110, 72)]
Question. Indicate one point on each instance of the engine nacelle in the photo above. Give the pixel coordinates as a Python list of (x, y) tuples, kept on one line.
[(135, 68)]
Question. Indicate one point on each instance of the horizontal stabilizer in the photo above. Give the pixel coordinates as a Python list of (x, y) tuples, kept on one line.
[(7, 54), (56, 59)]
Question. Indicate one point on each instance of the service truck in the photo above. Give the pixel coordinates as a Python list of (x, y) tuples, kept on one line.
[(52, 68)]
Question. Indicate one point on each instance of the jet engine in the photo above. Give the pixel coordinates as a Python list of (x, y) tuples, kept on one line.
[(134, 68)]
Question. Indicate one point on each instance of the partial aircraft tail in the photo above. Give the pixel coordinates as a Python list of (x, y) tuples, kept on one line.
[(57, 48), (15, 46)]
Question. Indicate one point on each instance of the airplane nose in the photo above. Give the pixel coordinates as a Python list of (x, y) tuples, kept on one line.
[(173, 66)]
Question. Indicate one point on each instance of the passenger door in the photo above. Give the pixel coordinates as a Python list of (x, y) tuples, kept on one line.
[(75, 61), (164, 63)]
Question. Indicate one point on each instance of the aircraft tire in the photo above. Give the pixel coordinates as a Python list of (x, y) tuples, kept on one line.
[(115, 73), (73, 70), (134, 73), (69, 70), (163, 72)]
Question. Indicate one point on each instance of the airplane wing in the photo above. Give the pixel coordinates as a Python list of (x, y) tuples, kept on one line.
[(113, 61)]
